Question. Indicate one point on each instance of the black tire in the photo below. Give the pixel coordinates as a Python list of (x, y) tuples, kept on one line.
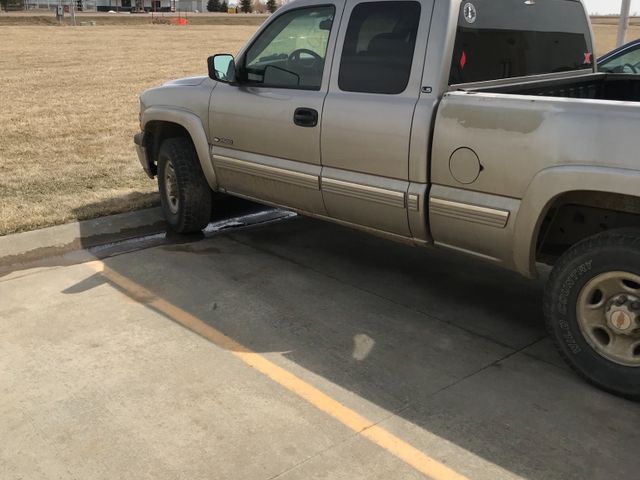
[(187, 207), (613, 251)]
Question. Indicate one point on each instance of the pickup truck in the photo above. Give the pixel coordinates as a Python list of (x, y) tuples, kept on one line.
[(480, 126)]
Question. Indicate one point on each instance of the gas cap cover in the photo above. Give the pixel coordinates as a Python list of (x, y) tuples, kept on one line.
[(465, 166)]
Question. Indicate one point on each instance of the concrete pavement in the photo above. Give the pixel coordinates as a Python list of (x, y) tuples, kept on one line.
[(51, 241), (173, 362)]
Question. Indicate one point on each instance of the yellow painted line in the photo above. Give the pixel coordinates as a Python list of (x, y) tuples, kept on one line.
[(356, 422)]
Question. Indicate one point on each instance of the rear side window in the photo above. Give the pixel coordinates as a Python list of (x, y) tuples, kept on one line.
[(516, 38), (378, 47)]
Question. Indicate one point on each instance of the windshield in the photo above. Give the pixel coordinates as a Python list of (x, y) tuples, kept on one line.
[(514, 38)]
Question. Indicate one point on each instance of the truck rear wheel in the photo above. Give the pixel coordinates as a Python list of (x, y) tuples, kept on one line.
[(185, 195), (592, 309)]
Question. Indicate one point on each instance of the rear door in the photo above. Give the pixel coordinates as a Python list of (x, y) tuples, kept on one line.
[(265, 131), (368, 112)]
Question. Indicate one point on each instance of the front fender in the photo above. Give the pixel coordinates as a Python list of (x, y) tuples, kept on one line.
[(546, 187), (193, 125)]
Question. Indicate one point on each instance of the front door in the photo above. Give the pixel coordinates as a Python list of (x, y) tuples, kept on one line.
[(265, 131), (368, 114)]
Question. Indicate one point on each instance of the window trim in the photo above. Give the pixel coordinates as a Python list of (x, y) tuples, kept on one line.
[(413, 57), (618, 52), (241, 62)]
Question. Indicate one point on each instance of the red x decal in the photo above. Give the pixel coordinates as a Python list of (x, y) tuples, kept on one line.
[(463, 60), (587, 58)]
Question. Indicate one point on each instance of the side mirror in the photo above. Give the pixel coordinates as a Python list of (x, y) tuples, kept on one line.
[(222, 68)]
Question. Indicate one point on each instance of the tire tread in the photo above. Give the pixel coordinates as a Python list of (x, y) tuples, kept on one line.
[(626, 238), (196, 196)]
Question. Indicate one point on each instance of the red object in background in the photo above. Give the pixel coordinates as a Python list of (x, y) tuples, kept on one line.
[(588, 59), (179, 21), (463, 60), (66, 9)]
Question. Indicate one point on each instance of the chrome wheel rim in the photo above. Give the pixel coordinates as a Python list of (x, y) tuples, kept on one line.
[(171, 188), (609, 316)]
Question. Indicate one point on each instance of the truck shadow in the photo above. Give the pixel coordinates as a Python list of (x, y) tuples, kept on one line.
[(455, 348)]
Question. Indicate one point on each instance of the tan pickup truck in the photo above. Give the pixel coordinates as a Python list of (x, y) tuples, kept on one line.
[(480, 126)]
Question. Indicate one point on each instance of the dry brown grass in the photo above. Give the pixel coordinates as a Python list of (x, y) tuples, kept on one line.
[(606, 30), (43, 17), (69, 109)]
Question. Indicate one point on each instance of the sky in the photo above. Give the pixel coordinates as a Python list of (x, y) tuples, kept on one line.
[(604, 7)]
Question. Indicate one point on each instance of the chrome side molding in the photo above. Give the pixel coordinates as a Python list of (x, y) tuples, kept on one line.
[(383, 196), (413, 202), (265, 171), (469, 213)]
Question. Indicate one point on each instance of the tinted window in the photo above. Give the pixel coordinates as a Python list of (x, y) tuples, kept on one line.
[(627, 61), (290, 52), (514, 38), (378, 47)]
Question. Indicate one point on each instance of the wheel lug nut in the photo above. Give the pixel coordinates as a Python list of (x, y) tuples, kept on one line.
[(635, 305), (621, 300)]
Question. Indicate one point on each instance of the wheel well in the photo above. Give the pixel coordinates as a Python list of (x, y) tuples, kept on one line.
[(155, 132), (575, 216)]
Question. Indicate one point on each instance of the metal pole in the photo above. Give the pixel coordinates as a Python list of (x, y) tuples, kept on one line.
[(72, 8), (624, 22)]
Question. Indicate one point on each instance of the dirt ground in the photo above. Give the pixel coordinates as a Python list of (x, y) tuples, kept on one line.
[(70, 110)]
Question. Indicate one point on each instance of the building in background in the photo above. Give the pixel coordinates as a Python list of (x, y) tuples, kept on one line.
[(149, 5), (113, 5)]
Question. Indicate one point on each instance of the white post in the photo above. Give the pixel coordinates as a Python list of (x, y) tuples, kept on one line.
[(624, 22), (72, 9)]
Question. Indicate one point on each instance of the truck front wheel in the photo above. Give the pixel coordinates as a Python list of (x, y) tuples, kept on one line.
[(592, 309), (185, 195)]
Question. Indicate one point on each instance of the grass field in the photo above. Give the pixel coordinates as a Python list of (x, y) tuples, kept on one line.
[(70, 110)]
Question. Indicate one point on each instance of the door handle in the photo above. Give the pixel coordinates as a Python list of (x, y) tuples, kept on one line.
[(305, 117)]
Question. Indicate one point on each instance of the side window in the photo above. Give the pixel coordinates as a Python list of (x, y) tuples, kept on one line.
[(378, 47), (628, 62), (290, 52)]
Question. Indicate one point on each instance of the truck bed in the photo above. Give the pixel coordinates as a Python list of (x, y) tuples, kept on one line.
[(521, 135), (597, 86), (518, 130)]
